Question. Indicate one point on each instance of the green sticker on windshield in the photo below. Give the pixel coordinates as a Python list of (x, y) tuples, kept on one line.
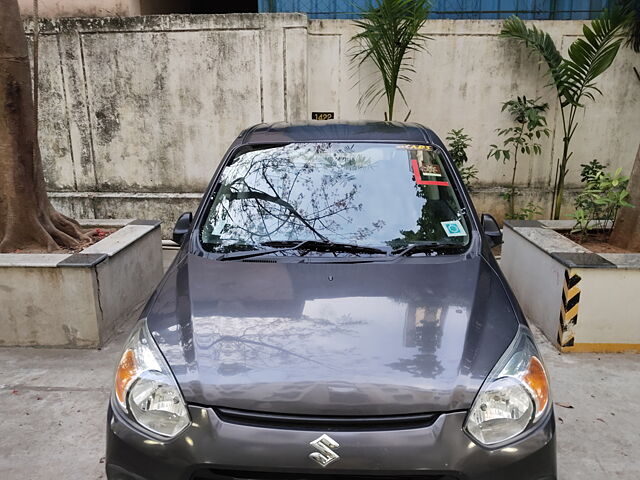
[(453, 228)]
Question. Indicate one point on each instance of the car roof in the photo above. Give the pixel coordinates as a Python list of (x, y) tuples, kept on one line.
[(337, 131)]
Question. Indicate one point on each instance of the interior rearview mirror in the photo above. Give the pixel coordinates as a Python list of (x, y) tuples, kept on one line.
[(491, 230), (183, 225)]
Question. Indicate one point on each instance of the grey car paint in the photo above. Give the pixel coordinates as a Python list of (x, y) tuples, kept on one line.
[(438, 452), (315, 338), (333, 338)]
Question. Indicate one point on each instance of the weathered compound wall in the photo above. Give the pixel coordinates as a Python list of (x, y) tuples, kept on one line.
[(81, 8), (137, 112), (462, 81)]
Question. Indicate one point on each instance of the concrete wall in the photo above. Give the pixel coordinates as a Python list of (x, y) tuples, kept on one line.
[(137, 112), (79, 300), (81, 8), (536, 279), (39, 314), (609, 307), (598, 311), (130, 275), (462, 81)]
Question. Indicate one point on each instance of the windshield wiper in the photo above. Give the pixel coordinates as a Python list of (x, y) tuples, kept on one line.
[(309, 245), (326, 246), (427, 247)]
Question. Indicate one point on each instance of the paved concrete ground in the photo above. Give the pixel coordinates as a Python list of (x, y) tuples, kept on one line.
[(53, 405)]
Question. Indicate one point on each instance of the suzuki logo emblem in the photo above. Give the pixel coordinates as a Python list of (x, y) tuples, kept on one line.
[(325, 454)]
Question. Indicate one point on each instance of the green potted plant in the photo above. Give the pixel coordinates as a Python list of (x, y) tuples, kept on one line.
[(458, 142), (530, 125), (598, 204), (389, 37), (574, 76)]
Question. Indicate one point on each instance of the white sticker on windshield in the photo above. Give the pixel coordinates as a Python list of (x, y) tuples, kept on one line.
[(453, 228)]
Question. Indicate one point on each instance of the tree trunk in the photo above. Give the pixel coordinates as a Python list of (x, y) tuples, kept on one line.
[(28, 221), (626, 231)]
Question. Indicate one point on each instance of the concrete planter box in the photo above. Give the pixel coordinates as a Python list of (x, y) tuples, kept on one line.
[(79, 300), (582, 301)]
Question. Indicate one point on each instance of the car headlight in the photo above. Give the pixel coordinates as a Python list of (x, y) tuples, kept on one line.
[(514, 396), (145, 389)]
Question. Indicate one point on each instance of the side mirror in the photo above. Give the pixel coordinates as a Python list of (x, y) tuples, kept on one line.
[(491, 230), (183, 225)]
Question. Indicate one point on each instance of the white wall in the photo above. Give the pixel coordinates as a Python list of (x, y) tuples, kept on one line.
[(462, 81), (81, 8), (137, 112)]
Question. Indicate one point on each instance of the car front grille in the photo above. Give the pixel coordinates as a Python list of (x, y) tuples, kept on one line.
[(322, 423), (325, 423), (212, 474)]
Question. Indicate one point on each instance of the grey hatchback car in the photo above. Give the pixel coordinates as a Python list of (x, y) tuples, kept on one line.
[(334, 311)]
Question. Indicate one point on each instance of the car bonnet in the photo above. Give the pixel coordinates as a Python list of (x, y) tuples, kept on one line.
[(380, 338)]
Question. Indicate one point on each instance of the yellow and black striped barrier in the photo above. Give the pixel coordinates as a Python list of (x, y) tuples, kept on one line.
[(569, 309)]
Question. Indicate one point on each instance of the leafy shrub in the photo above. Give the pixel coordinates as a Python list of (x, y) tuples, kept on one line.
[(574, 75), (458, 144), (598, 203), (522, 138), (529, 212)]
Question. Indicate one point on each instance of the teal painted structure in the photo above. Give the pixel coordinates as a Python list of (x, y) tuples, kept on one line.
[(451, 9)]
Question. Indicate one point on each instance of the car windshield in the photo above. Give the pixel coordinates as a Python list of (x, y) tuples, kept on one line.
[(387, 196)]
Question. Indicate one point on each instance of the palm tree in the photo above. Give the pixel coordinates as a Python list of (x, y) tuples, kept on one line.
[(389, 36), (633, 27), (573, 77)]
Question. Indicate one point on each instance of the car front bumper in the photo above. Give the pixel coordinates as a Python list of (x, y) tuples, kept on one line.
[(213, 449)]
